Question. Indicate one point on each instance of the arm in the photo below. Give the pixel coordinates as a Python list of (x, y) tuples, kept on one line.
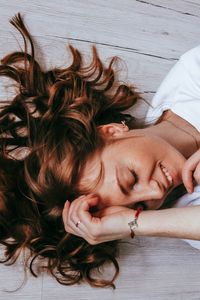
[(112, 224), (181, 222), (176, 222)]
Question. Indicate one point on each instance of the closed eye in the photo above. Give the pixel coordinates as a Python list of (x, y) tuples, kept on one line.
[(135, 178), (141, 204)]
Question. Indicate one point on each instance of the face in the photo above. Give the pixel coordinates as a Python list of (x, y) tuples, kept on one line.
[(129, 170)]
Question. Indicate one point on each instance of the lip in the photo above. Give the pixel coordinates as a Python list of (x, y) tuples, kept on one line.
[(167, 184), (174, 175)]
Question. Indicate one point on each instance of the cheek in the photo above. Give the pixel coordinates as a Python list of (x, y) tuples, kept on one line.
[(158, 149), (169, 153), (145, 156)]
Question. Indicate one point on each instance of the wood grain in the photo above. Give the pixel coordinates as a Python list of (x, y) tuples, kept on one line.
[(149, 37)]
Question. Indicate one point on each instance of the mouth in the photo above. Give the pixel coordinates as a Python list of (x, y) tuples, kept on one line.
[(169, 182)]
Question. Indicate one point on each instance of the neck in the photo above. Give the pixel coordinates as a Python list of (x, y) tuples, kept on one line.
[(182, 141), (178, 132)]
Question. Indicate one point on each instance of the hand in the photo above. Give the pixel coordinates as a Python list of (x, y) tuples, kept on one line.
[(108, 224), (191, 170)]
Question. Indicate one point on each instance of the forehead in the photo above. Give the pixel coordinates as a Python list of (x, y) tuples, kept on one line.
[(102, 164), (93, 171)]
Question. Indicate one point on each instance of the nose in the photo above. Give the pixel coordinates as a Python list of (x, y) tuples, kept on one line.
[(150, 195), (148, 190)]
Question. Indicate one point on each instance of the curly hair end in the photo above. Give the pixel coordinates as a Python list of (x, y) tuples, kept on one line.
[(47, 130)]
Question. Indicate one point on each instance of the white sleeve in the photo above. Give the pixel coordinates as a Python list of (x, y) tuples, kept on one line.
[(180, 90)]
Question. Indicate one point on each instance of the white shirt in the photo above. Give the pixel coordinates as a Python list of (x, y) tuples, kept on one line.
[(180, 92)]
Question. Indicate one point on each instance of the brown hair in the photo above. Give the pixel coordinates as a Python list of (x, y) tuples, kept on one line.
[(47, 131)]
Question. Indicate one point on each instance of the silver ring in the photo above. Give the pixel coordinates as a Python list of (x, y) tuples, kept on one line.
[(77, 224)]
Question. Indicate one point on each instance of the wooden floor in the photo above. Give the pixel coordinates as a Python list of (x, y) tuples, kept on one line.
[(149, 36)]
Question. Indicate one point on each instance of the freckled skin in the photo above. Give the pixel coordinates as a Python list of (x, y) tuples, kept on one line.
[(135, 159), (138, 152)]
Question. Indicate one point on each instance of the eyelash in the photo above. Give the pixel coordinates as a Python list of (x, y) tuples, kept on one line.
[(135, 176), (142, 202)]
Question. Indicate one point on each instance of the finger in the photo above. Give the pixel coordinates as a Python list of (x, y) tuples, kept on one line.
[(91, 201), (74, 219), (75, 204), (65, 212), (192, 161), (187, 176), (196, 174), (70, 226), (83, 211), (187, 171)]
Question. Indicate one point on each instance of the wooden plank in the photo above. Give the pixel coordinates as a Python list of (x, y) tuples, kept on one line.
[(135, 68), (13, 277), (150, 268), (149, 36), (185, 7), (131, 26)]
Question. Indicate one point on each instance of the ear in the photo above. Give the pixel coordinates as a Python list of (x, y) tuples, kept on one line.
[(113, 130)]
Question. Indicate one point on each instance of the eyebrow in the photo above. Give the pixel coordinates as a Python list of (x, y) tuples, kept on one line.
[(92, 185), (122, 187)]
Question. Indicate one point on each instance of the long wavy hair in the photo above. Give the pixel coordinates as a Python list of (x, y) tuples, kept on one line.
[(47, 130)]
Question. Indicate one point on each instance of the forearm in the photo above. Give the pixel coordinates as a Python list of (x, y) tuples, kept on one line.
[(112, 224), (174, 222)]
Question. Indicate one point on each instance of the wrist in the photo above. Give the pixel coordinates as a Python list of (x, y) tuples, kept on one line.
[(147, 223), (183, 222)]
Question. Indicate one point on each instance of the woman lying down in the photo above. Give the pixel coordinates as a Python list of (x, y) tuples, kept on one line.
[(78, 173)]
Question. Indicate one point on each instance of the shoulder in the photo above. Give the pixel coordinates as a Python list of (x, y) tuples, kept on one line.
[(191, 56)]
